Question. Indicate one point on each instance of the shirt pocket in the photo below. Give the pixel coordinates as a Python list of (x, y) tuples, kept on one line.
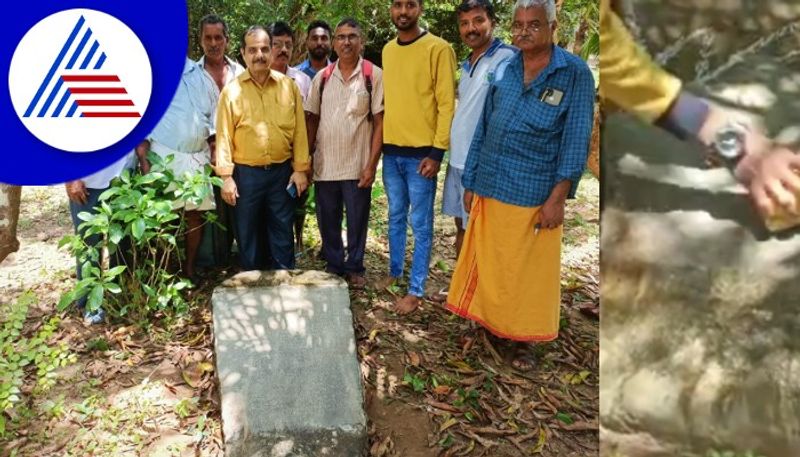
[(544, 117), (358, 104)]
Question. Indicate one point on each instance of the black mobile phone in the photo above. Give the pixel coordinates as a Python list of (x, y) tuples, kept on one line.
[(291, 189)]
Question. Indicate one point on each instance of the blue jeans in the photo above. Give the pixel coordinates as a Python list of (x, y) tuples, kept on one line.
[(405, 188), (264, 213)]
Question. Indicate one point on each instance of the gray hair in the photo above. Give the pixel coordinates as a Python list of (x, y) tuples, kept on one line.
[(548, 5)]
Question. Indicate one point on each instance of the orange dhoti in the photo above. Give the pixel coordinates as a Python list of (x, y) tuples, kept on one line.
[(507, 277)]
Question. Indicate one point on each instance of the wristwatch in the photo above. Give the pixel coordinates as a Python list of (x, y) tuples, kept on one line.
[(728, 146)]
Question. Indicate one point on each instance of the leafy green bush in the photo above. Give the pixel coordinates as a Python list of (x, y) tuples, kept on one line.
[(137, 223), (22, 357)]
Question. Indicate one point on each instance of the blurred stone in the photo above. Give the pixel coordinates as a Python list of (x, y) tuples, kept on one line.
[(699, 330)]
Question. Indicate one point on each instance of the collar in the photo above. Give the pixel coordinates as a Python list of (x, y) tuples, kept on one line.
[(558, 59), (359, 64), (496, 44), (307, 63), (190, 66), (406, 43), (230, 62), (246, 76)]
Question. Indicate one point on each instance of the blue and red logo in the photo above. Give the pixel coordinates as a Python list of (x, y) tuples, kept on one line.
[(82, 85), (86, 84)]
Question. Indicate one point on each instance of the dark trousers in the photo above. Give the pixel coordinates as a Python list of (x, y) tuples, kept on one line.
[(222, 237), (264, 213), (332, 197), (115, 258)]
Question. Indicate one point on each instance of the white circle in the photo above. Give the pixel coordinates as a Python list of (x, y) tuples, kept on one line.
[(93, 124)]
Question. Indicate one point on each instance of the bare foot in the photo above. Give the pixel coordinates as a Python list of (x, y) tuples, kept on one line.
[(522, 356), (407, 304)]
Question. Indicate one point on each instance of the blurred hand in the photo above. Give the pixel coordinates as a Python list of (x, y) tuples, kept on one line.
[(768, 170), (229, 191), (468, 200), (76, 191), (367, 177), (552, 214), (429, 168), (144, 166), (771, 177), (300, 180)]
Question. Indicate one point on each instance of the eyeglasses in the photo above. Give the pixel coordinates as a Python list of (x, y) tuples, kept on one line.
[(343, 38), (517, 28), (281, 44)]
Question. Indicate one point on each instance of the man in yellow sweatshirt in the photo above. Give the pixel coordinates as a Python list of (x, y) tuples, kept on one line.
[(419, 98), (633, 82)]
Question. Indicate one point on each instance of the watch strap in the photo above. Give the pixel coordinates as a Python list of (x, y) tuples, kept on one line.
[(685, 117)]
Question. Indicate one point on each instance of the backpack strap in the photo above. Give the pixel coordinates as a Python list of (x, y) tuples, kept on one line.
[(366, 69), (326, 75)]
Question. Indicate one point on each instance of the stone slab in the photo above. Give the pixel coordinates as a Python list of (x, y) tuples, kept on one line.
[(289, 377)]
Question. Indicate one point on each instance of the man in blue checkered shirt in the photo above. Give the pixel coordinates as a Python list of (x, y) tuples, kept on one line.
[(526, 158)]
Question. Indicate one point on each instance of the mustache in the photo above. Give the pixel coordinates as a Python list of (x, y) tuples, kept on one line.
[(284, 54)]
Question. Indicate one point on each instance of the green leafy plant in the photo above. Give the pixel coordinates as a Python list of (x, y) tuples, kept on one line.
[(26, 358), (137, 224), (186, 407), (416, 382)]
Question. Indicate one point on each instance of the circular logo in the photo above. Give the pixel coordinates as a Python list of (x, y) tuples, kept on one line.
[(80, 80)]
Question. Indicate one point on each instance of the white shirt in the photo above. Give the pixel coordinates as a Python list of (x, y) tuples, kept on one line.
[(472, 90), (190, 118), (101, 179), (234, 70), (301, 79)]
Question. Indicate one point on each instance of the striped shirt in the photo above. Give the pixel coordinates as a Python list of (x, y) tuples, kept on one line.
[(344, 135)]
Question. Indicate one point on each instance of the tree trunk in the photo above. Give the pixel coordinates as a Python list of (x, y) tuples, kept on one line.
[(9, 214)]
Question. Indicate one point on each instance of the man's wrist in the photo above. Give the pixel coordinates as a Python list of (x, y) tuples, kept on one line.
[(686, 117), (560, 192)]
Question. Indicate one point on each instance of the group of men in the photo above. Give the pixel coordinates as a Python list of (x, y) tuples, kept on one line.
[(518, 141)]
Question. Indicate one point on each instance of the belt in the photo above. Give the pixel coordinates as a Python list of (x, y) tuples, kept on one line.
[(269, 166)]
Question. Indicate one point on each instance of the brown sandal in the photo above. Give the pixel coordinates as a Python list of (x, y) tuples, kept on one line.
[(590, 310)]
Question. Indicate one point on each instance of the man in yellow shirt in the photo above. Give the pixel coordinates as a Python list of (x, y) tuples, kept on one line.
[(633, 82), (419, 96), (262, 155)]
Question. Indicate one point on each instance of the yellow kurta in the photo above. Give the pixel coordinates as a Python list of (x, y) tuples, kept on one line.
[(629, 78), (507, 277)]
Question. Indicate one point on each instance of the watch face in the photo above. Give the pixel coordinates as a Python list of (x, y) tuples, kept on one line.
[(729, 143)]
